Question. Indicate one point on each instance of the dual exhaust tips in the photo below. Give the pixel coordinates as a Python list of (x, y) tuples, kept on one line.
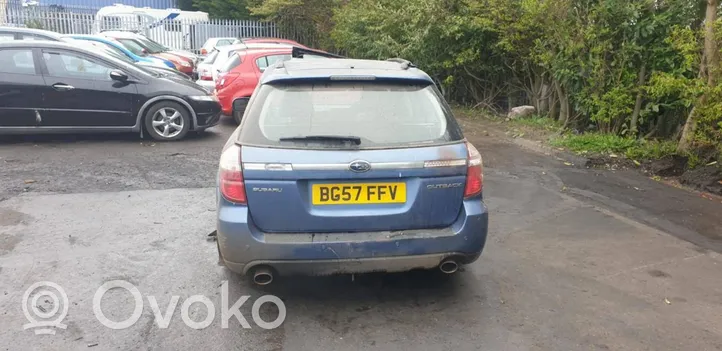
[(263, 275)]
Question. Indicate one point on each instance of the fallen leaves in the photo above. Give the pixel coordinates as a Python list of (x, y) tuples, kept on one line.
[(667, 301)]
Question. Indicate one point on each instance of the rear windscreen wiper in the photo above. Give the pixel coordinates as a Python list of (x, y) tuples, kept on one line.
[(323, 138)]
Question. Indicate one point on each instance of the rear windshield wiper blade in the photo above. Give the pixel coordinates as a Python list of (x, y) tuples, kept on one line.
[(323, 138)]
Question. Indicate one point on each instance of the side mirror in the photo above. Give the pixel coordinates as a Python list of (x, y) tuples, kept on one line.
[(262, 69), (118, 75), (144, 51)]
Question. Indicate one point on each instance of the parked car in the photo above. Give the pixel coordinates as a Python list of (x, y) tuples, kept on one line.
[(158, 46), (58, 87), (107, 46), (116, 46), (18, 33), (239, 76), (209, 68), (140, 45), (212, 43), (100, 48), (348, 166)]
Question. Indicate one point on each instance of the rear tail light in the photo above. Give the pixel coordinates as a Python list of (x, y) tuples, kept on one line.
[(205, 75), (231, 175), (204, 51), (474, 172), (226, 79)]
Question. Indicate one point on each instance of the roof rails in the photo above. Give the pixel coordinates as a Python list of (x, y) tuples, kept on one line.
[(405, 64), (298, 52)]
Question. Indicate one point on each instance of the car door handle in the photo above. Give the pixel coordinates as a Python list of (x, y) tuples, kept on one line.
[(62, 87)]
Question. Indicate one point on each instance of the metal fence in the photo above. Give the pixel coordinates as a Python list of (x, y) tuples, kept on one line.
[(186, 34)]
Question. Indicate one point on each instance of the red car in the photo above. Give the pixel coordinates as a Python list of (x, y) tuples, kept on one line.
[(239, 76)]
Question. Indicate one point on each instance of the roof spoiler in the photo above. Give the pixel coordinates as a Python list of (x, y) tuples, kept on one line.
[(298, 52), (405, 64)]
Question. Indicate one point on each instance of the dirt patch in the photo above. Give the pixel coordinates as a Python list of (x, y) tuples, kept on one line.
[(10, 217), (658, 274), (667, 167), (609, 162), (708, 178), (8, 243)]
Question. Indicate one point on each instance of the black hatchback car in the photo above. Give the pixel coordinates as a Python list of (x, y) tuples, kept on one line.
[(55, 87)]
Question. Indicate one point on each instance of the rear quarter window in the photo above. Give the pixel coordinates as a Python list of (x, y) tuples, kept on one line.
[(232, 63), (382, 115)]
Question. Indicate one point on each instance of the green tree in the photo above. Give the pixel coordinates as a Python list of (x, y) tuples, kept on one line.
[(225, 9)]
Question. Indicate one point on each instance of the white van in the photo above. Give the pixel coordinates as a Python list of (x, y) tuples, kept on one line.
[(169, 27)]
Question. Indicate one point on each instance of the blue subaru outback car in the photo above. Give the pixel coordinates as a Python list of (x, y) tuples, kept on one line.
[(348, 166)]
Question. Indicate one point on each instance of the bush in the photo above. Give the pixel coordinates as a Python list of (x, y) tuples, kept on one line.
[(613, 144)]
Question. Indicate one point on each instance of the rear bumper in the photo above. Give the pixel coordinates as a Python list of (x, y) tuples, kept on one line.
[(207, 120), (354, 265), (243, 246)]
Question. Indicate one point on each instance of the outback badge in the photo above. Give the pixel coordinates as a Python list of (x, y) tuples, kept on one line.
[(359, 166)]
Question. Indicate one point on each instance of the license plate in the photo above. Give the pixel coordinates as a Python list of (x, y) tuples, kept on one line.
[(358, 193)]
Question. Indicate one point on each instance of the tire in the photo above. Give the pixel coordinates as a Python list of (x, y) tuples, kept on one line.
[(239, 108), (237, 116), (167, 121)]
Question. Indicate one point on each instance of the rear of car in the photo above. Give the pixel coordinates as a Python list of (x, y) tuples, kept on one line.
[(348, 166), (204, 70), (213, 43), (238, 77)]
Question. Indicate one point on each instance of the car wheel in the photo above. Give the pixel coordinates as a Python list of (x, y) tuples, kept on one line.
[(237, 116), (239, 108), (167, 121)]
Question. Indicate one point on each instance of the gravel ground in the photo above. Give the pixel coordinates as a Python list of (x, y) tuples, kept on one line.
[(577, 259)]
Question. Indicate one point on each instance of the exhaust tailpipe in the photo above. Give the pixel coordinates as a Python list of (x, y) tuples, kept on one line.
[(262, 276), (449, 266)]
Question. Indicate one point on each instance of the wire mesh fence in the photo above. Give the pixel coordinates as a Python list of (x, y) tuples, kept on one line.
[(188, 31)]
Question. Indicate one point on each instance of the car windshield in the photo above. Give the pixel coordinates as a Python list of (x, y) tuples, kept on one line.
[(134, 46), (152, 46), (102, 49), (117, 52), (376, 114)]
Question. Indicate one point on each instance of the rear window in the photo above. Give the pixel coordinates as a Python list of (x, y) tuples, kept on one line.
[(381, 115), (232, 63)]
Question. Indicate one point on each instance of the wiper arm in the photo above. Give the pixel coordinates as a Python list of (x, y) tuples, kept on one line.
[(325, 138)]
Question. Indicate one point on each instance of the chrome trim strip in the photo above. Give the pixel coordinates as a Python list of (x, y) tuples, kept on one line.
[(253, 166), (256, 166), (445, 163)]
